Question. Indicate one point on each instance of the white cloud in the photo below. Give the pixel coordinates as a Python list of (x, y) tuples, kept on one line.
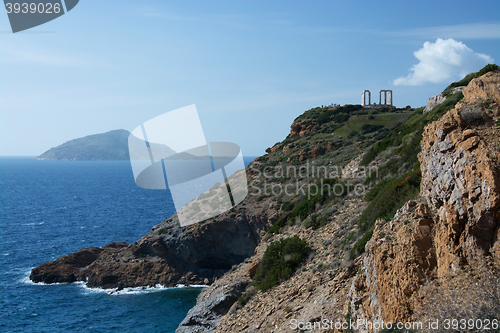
[(443, 61)]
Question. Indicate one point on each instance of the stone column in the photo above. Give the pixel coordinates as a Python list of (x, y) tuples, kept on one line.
[(363, 98), (390, 97)]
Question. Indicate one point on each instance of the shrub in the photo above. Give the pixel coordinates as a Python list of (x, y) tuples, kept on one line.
[(162, 231), (488, 68), (359, 247), (368, 128), (342, 117), (247, 295), (308, 205), (315, 222), (288, 206), (279, 261), (352, 134), (339, 114), (386, 199), (376, 149)]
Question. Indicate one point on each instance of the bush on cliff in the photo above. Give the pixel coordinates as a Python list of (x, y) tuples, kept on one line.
[(279, 261), (307, 205), (388, 196)]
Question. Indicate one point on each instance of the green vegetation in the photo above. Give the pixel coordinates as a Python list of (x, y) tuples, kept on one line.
[(381, 120), (279, 261), (369, 128), (162, 231), (359, 247), (407, 136), (288, 206), (247, 295), (388, 196), (315, 221), (327, 114), (306, 206), (399, 178)]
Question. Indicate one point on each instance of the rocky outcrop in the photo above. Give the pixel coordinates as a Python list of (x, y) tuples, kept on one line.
[(70, 268), (273, 149), (438, 99), (352, 169), (484, 87), (315, 152), (214, 302), (287, 149), (317, 290), (398, 258), (461, 174), (298, 128), (168, 255), (437, 258), (211, 305), (433, 101)]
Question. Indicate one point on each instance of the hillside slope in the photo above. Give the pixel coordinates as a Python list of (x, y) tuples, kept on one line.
[(436, 257)]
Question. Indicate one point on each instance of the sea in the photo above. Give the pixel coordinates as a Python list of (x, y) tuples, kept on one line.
[(52, 208)]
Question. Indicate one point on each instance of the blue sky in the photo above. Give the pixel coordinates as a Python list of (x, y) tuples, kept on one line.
[(251, 67)]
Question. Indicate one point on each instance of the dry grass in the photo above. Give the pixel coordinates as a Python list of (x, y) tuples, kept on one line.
[(472, 294)]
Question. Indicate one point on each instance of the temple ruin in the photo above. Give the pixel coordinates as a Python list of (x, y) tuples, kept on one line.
[(387, 99)]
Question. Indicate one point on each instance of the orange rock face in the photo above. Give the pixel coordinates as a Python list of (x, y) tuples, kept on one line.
[(300, 129)]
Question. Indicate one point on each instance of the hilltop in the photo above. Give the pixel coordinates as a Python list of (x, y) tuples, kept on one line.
[(112, 145)]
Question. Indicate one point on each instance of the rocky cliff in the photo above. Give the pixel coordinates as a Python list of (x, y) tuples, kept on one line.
[(168, 255), (437, 258)]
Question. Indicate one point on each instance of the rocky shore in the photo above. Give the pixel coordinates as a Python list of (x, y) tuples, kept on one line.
[(168, 255)]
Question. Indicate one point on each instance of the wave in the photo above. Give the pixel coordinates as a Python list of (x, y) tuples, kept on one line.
[(112, 291), (26, 280), (139, 290)]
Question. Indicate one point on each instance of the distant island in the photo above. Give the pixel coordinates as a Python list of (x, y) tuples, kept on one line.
[(112, 145)]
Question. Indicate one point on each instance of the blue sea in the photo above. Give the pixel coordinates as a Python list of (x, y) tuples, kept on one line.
[(51, 208)]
